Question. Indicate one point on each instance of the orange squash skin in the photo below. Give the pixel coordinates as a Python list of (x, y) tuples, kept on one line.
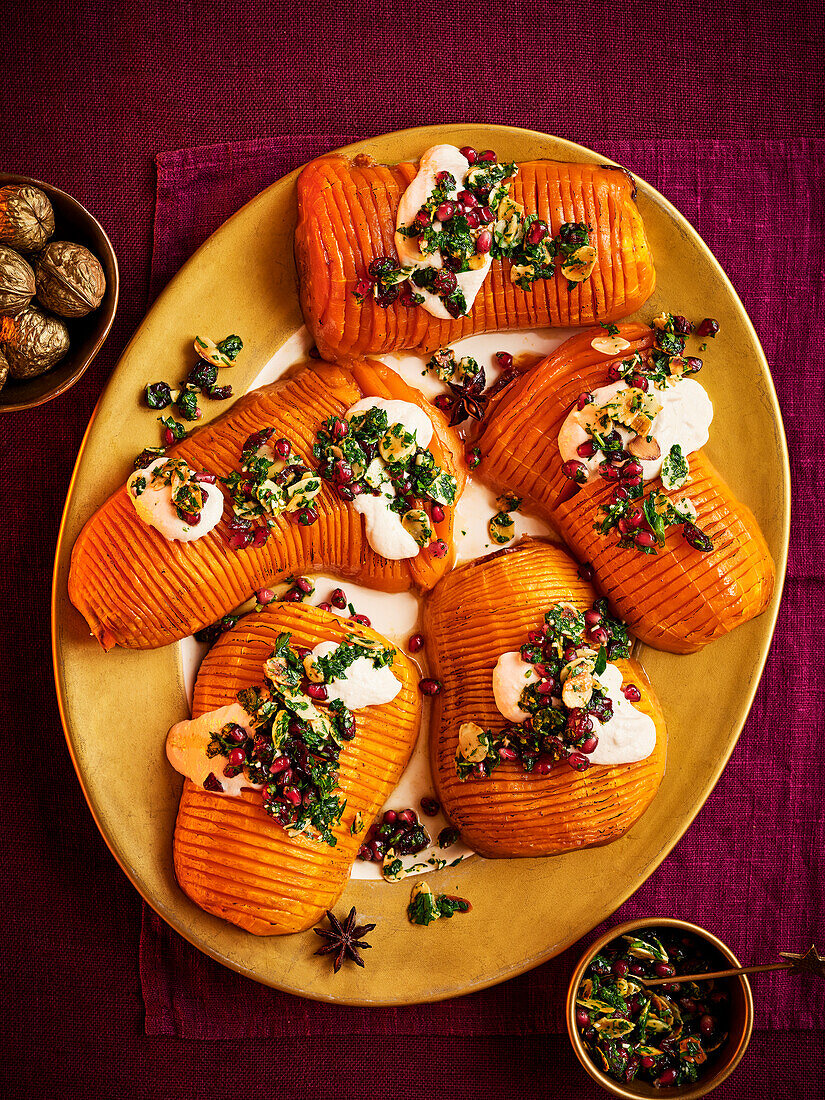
[(346, 218), (230, 856), (137, 589), (678, 599), (478, 612)]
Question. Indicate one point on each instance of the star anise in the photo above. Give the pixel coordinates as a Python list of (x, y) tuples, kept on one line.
[(344, 939), (811, 961), (466, 402)]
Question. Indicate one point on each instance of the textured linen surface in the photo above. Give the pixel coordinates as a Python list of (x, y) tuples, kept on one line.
[(750, 867), (89, 93)]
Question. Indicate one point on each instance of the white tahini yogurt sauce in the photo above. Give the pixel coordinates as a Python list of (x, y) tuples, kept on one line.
[(684, 418), (438, 158), (510, 677), (364, 685), (384, 530), (154, 506), (186, 745), (630, 735)]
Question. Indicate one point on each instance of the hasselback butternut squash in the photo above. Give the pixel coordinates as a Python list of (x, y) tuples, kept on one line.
[(230, 856), (478, 612), (347, 217), (137, 589), (678, 599)]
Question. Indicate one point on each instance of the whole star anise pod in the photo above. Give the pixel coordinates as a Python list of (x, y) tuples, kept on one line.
[(466, 402), (344, 939)]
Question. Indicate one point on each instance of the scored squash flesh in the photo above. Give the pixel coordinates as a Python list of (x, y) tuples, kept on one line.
[(230, 856), (678, 599), (478, 612), (137, 589), (346, 218)]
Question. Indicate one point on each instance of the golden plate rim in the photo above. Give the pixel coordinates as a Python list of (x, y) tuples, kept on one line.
[(350, 991)]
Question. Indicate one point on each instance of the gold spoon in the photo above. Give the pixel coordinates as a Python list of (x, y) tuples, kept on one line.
[(811, 962)]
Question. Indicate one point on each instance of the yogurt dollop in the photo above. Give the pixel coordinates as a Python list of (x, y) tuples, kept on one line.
[(187, 742), (438, 158), (510, 677), (383, 528), (364, 685), (630, 735), (684, 419), (154, 506)]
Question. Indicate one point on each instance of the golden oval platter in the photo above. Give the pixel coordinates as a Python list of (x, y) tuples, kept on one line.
[(117, 707)]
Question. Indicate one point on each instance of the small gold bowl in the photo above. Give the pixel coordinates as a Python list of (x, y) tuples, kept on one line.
[(741, 1019), (73, 222)]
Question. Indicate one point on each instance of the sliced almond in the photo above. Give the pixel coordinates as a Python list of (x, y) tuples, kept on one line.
[(580, 265), (645, 449), (476, 261), (469, 743), (207, 349), (578, 688), (313, 669), (641, 423), (609, 345)]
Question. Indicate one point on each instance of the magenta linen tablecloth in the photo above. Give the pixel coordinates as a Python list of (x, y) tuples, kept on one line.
[(750, 867)]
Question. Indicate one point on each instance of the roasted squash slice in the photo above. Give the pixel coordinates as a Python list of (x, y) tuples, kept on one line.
[(346, 218), (137, 589), (478, 612), (231, 857), (678, 599)]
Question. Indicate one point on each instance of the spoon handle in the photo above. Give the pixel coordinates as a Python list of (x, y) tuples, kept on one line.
[(736, 970)]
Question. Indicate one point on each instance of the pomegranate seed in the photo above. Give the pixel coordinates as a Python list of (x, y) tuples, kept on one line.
[(292, 795), (544, 764), (578, 762), (237, 734), (281, 448), (593, 617), (192, 518), (586, 449), (589, 746), (664, 970), (620, 968), (307, 516), (504, 360), (325, 606), (236, 757), (473, 220), (636, 518), (168, 440), (624, 526), (390, 817), (410, 817), (437, 513), (305, 585), (708, 327), (438, 549), (444, 402), (707, 1025), (345, 492), (647, 1061), (585, 570), (631, 693), (582, 1017), (645, 538), (422, 219), (204, 478), (536, 233), (633, 469), (576, 471), (445, 211), (240, 539), (613, 373), (619, 493), (472, 457), (639, 382), (506, 753), (294, 595), (485, 215), (340, 428), (317, 691), (362, 620), (445, 281), (484, 242), (469, 153), (342, 472), (364, 852), (666, 1078), (599, 635), (429, 686), (583, 400), (443, 177), (416, 643), (634, 480), (279, 765), (609, 472), (468, 199), (535, 636), (546, 687), (264, 596), (430, 806), (487, 155), (363, 288)]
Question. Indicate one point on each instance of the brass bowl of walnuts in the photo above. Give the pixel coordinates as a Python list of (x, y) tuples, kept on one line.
[(58, 291)]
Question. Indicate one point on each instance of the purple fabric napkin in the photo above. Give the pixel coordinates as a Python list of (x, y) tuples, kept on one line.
[(750, 867)]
